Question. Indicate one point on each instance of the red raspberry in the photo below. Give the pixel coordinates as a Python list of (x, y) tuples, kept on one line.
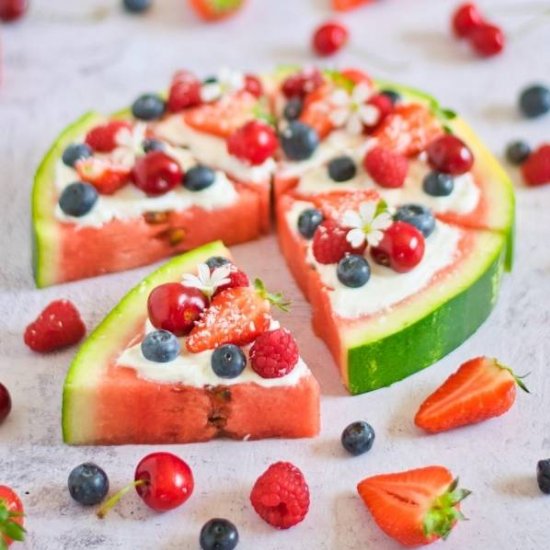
[(280, 495), (302, 83), (274, 353), (236, 278), (103, 138), (330, 244), (185, 92), (253, 85), (536, 169), (386, 168), (58, 326)]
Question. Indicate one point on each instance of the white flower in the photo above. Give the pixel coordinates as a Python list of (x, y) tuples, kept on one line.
[(129, 145), (208, 282), (368, 224), (227, 82), (351, 110)]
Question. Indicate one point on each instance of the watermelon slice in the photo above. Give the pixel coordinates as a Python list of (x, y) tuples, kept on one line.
[(108, 402)]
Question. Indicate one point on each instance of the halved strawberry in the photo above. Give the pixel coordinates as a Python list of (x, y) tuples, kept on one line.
[(480, 389), (317, 109), (214, 10), (335, 204), (346, 5), (105, 177), (415, 507), (102, 138)]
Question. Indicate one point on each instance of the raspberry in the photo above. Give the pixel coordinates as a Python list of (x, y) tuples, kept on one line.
[(102, 139), (330, 244), (236, 278), (536, 169), (386, 168), (280, 495), (274, 353), (58, 326)]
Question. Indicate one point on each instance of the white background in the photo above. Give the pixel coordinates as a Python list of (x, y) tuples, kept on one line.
[(60, 62)]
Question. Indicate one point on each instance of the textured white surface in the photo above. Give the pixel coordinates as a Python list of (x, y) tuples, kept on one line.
[(58, 63)]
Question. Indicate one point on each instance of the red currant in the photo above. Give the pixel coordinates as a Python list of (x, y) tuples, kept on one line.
[(450, 155), (401, 248), (157, 173), (185, 92), (10, 10), (5, 403), (302, 83), (254, 142), (329, 38), (175, 307), (103, 138), (465, 19), (253, 85), (487, 40)]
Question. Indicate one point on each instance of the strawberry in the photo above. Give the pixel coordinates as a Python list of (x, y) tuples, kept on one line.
[(214, 10), (536, 169), (316, 110), (330, 243), (235, 316), (11, 517), (58, 326), (102, 139), (335, 204), (105, 177), (480, 389), (222, 117), (415, 507), (346, 5), (302, 83)]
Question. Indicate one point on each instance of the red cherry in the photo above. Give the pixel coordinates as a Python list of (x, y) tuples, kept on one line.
[(157, 173), (302, 83), (175, 307), (329, 38), (185, 92), (254, 142), (450, 155), (103, 138), (536, 169), (167, 481), (5, 402), (487, 40), (401, 248), (253, 85), (465, 19), (10, 10)]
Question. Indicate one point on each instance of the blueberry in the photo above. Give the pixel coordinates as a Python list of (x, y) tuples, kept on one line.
[(148, 107), (137, 6), (299, 140), (293, 108), (216, 261), (75, 152), (88, 484), (228, 361), (419, 216), (534, 101), (219, 534), (358, 438), (153, 145), (342, 168), (160, 346), (517, 152), (392, 95), (543, 475), (353, 271), (438, 184), (78, 199), (308, 221), (199, 178)]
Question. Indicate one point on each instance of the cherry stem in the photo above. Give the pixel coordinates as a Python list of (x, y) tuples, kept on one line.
[(113, 501)]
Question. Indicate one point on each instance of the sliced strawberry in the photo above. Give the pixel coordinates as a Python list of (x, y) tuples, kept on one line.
[(480, 389), (346, 5), (415, 507), (214, 10), (317, 109), (102, 139), (106, 178), (335, 204)]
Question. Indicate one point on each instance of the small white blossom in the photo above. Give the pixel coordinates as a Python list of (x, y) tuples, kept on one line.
[(368, 224), (351, 110), (129, 145), (227, 82), (206, 281)]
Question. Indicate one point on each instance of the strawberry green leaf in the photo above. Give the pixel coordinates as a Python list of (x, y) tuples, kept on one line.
[(277, 299), (517, 378), (339, 80)]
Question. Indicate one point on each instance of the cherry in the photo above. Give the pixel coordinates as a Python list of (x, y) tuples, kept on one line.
[(329, 38), (254, 142), (157, 173), (253, 85), (10, 10), (487, 40), (175, 307), (450, 155), (401, 248), (185, 92), (302, 83), (465, 19), (5, 403)]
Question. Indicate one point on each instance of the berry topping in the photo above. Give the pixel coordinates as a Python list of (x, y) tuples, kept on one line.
[(329, 38), (88, 484), (358, 438), (77, 199), (383, 104), (76, 152), (517, 152), (534, 101), (5, 403), (280, 495), (543, 475), (156, 173), (401, 248), (58, 326), (438, 184), (105, 177), (330, 243), (160, 346), (199, 178), (253, 85), (185, 92), (151, 144), (137, 6), (342, 168), (274, 353), (103, 138), (236, 278), (148, 107), (11, 517), (450, 155), (418, 215), (385, 167), (228, 361), (216, 261), (293, 108), (487, 40), (536, 169), (253, 143), (175, 307), (353, 271), (309, 221), (214, 10), (302, 83), (299, 141), (11, 10), (218, 534), (392, 95), (465, 19)]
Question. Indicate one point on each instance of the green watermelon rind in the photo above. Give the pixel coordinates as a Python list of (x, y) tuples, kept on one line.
[(112, 334)]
